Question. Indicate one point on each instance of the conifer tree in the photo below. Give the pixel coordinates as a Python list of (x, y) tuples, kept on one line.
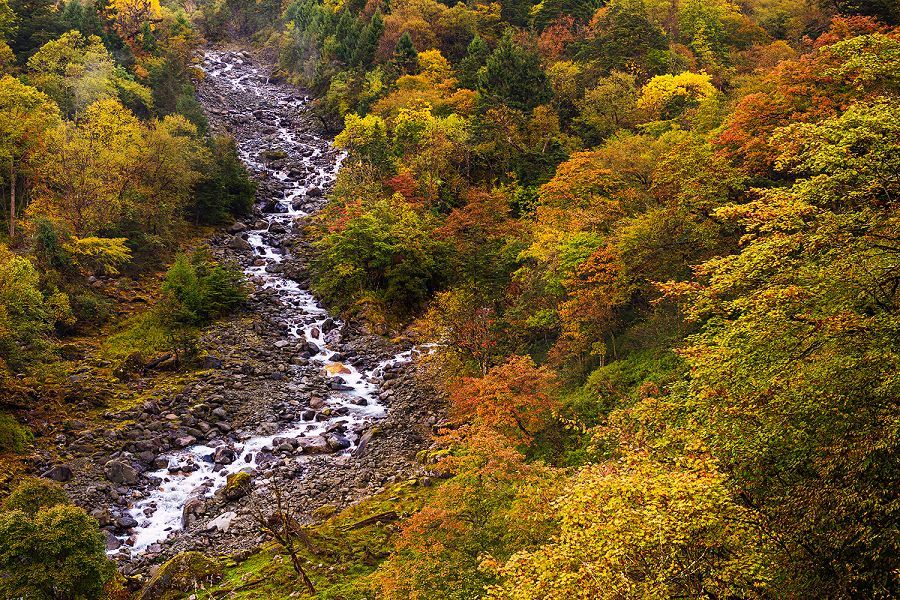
[(406, 59)]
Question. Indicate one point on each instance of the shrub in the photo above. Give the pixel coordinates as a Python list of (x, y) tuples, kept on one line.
[(13, 437), (197, 290), (34, 495)]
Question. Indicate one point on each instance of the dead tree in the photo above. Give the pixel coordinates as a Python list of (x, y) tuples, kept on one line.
[(282, 526)]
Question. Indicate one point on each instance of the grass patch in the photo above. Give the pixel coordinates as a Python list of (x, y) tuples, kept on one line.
[(141, 334)]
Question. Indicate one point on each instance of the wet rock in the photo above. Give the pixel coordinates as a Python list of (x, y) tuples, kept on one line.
[(337, 443), (103, 516), (112, 542), (274, 207), (126, 522), (224, 455), (313, 445), (120, 472), (237, 228)]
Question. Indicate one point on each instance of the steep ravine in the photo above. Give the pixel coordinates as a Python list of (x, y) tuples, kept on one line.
[(292, 394)]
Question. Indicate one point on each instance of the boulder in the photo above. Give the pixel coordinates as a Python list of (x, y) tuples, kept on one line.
[(185, 441), (314, 445), (184, 573), (210, 362), (222, 522), (61, 473), (112, 542), (126, 521), (238, 243), (363, 443), (337, 443), (237, 485), (193, 508), (120, 472), (224, 455)]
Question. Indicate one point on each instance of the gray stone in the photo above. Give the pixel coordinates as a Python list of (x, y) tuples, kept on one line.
[(60, 473), (313, 445), (120, 472)]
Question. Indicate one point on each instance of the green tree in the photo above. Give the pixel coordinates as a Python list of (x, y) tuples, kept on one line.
[(624, 38), (794, 374), (475, 58), (364, 54), (387, 251), (513, 76), (197, 290), (27, 118), (37, 22), (226, 191), (346, 37), (885, 10), (27, 316), (406, 59), (547, 11), (610, 105), (55, 554)]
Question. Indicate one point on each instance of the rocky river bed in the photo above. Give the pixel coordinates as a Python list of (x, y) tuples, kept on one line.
[(289, 395)]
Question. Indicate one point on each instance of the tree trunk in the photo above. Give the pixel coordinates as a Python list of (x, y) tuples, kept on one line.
[(298, 568), (12, 202)]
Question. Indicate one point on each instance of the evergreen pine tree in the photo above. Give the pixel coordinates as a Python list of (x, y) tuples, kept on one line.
[(513, 76), (347, 35), (476, 55), (368, 41), (406, 59)]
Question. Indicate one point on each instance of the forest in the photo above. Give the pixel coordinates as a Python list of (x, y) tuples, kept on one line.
[(651, 248)]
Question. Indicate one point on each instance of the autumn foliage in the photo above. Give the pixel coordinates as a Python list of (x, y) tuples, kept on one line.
[(651, 246)]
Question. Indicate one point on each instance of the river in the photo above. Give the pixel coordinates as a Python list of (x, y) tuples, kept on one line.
[(304, 169)]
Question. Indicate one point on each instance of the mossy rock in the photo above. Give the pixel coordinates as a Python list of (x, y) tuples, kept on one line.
[(275, 154), (181, 575), (430, 457), (237, 485)]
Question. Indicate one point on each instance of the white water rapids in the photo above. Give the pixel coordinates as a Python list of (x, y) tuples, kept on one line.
[(191, 472)]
